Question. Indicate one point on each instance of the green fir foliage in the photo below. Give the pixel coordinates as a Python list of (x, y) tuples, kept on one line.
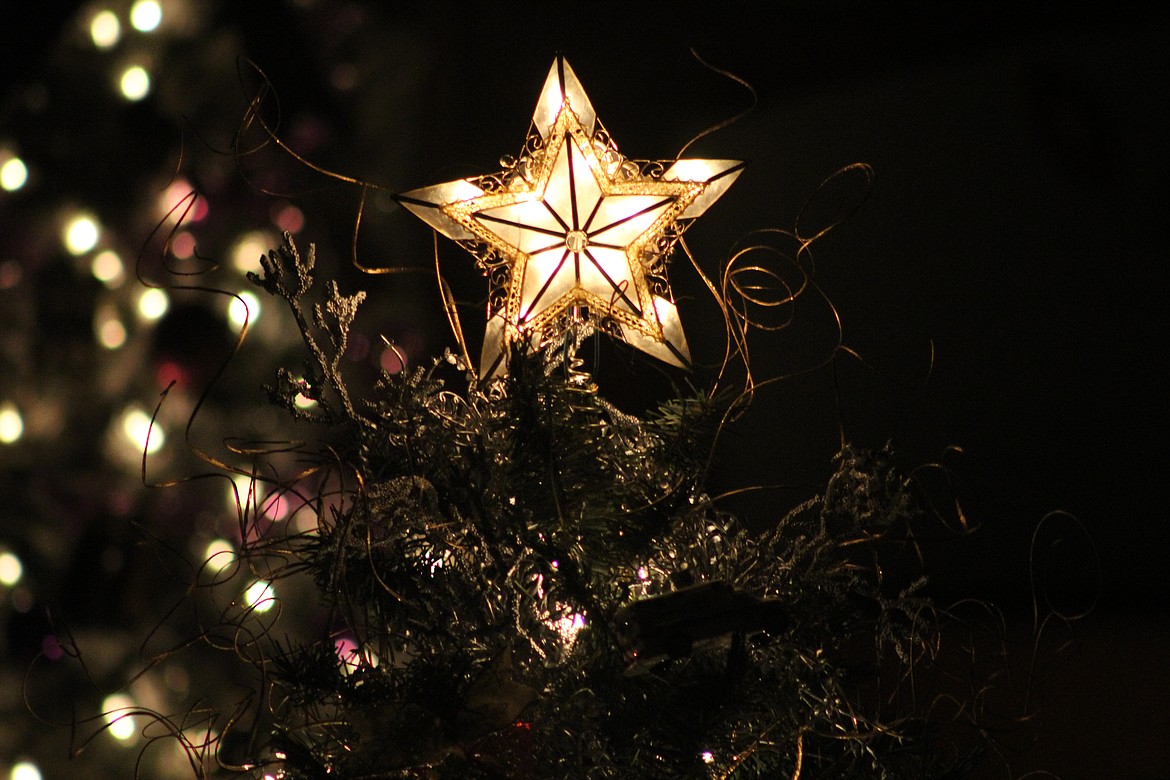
[(538, 586)]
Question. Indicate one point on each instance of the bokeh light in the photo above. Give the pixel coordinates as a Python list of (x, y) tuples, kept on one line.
[(11, 423), (13, 174), (135, 83), (81, 234), (139, 432), (11, 569), (243, 309), (153, 303), (108, 328), (105, 29), (24, 770), (260, 596), (107, 268), (121, 724), (146, 15), (249, 248), (219, 554)]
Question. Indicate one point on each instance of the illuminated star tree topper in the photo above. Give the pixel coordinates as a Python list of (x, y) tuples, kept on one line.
[(574, 232)]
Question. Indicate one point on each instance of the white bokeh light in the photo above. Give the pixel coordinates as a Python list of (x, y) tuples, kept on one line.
[(134, 83), (13, 174), (146, 15), (80, 234), (153, 303), (139, 432), (260, 596), (11, 569), (25, 770), (11, 423), (243, 309), (107, 268), (105, 29), (121, 723)]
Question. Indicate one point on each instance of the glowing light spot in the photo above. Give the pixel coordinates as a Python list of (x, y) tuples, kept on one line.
[(260, 596), (219, 555), (153, 303), (288, 217), (10, 274), (135, 83), (302, 401), (11, 423), (183, 245), (146, 15), (241, 491), (243, 309), (116, 709), (110, 331), (568, 627), (80, 234), (139, 432), (24, 770), (276, 507), (180, 200), (642, 573), (107, 268), (249, 248), (708, 757), (13, 174), (11, 569), (392, 360), (105, 29)]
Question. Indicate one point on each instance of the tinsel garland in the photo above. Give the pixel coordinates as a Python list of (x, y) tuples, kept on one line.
[(538, 585)]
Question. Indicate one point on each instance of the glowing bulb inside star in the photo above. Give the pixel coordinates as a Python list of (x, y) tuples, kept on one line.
[(116, 707), (243, 309), (80, 234), (11, 423), (137, 429), (13, 174), (153, 303), (11, 569), (107, 268), (24, 770), (135, 83), (146, 15), (105, 29), (260, 596)]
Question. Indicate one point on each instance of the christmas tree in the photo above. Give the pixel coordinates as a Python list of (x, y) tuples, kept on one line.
[(523, 580)]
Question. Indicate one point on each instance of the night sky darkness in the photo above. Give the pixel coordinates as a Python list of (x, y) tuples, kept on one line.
[(1015, 225)]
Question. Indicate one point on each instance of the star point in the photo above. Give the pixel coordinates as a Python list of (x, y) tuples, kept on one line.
[(578, 231)]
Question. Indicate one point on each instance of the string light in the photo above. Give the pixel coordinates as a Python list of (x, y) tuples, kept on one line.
[(135, 83), (146, 15), (153, 303), (243, 309), (24, 770), (708, 757), (107, 268), (80, 234), (13, 174), (219, 555), (249, 248), (11, 569), (105, 29), (260, 596), (11, 423), (137, 429), (110, 331), (121, 723)]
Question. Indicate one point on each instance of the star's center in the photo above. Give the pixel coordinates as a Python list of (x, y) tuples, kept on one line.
[(576, 241)]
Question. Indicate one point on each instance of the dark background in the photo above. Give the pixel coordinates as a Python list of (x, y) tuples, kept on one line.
[(1014, 226)]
